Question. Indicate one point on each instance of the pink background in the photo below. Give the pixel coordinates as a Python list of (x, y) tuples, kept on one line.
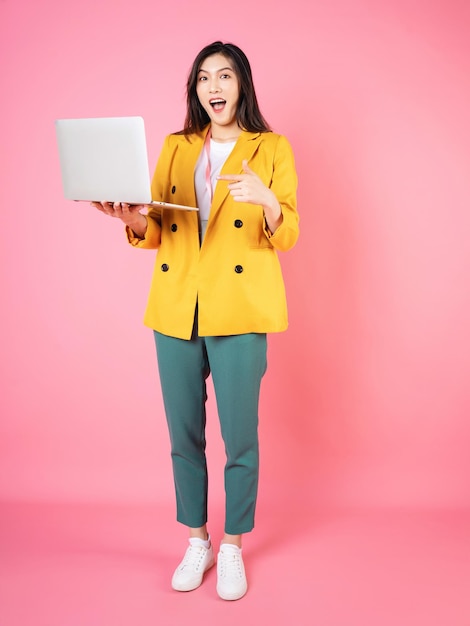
[(366, 402)]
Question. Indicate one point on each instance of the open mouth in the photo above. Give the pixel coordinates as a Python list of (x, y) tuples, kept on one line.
[(217, 104)]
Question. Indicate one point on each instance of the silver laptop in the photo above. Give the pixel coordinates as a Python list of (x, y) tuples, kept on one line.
[(105, 159)]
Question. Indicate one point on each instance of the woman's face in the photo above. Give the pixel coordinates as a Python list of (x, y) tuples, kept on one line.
[(218, 91)]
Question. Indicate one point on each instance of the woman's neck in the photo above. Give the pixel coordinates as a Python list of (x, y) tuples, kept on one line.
[(223, 134), (224, 140)]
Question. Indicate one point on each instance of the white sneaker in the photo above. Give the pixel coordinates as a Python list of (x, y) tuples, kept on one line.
[(231, 577), (190, 572)]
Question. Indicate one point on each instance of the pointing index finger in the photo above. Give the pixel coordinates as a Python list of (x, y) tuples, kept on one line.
[(232, 177)]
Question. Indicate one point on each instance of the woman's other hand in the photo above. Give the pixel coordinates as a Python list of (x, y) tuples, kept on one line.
[(249, 187)]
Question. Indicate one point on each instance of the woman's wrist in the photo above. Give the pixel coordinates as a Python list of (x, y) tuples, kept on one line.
[(273, 213), (138, 226)]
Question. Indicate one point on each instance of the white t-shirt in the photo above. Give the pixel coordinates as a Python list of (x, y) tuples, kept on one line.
[(218, 155)]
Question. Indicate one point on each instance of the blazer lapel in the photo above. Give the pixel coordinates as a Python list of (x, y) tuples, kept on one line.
[(190, 156), (246, 146)]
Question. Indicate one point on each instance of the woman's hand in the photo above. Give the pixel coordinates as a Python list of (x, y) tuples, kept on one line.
[(128, 213), (249, 187)]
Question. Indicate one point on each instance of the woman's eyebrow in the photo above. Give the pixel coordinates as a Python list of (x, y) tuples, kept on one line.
[(222, 69)]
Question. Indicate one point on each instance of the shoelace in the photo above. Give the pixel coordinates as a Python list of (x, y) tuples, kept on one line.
[(230, 566), (193, 558)]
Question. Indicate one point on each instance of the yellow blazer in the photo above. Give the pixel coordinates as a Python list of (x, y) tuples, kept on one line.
[(234, 277)]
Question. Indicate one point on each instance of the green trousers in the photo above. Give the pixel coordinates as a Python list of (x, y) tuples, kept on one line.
[(237, 364)]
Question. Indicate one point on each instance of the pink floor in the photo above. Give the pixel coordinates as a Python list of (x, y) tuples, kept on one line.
[(97, 565)]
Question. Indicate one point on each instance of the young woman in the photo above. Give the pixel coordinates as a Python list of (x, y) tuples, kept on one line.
[(217, 289)]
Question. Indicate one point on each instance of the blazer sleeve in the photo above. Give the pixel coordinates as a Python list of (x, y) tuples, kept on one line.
[(152, 237), (284, 185)]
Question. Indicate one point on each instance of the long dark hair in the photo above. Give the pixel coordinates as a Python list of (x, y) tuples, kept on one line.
[(249, 116)]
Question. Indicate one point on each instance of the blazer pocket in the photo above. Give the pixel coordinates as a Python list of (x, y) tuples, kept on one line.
[(265, 245)]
